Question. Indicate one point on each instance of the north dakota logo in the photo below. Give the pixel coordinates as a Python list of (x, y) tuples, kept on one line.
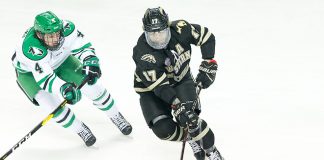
[(35, 53)]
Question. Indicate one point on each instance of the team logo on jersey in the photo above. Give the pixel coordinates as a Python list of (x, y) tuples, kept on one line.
[(67, 26), (180, 25), (35, 51), (168, 65), (149, 58), (167, 62)]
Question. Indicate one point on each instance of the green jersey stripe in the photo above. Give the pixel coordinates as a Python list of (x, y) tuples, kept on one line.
[(40, 82), (82, 48), (51, 84)]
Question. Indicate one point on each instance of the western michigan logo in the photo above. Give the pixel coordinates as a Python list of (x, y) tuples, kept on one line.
[(148, 58), (180, 25)]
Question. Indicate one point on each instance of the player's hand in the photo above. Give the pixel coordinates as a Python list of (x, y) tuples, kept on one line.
[(207, 73), (184, 114), (70, 92), (91, 69)]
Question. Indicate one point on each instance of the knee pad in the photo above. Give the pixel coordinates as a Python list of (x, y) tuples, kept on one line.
[(166, 129)]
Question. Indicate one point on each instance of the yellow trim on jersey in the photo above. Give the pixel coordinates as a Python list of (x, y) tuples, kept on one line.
[(202, 32), (152, 86), (206, 37)]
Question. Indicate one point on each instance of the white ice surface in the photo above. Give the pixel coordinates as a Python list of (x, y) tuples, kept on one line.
[(266, 103)]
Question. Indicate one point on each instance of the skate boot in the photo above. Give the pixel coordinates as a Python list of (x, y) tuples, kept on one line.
[(214, 154), (87, 136), (122, 124), (197, 150)]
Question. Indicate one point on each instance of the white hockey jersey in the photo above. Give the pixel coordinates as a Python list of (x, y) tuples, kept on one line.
[(31, 55)]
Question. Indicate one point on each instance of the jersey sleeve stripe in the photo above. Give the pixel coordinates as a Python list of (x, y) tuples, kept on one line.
[(152, 86), (82, 48), (40, 82), (206, 37), (46, 82), (19, 68), (86, 53), (13, 56), (202, 32), (51, 84)]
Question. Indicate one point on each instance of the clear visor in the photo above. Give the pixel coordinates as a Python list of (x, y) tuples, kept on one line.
[(159, 39), (52, 39)]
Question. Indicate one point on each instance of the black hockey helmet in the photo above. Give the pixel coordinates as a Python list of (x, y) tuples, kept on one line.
[(155, 19)]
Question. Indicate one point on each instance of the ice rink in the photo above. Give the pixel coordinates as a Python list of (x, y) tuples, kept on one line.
[(267, 102)]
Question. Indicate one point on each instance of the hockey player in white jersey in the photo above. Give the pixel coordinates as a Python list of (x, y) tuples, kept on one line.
[(51, 60)]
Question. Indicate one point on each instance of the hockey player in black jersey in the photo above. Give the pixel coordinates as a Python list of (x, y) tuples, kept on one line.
[(164, 82)]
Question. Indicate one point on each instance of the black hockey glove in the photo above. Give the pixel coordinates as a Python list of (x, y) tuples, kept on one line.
[(91, 69), (207, 73), (70, 92), (184, 114)]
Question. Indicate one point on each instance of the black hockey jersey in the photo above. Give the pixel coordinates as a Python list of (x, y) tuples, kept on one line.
[(158, 70)]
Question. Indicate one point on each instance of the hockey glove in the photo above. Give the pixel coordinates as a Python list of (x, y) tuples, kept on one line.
[(91, 69), (70, 92), (184, 114), (207, 73)]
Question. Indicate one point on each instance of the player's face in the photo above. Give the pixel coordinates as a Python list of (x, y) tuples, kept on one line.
[(53, 39), (159, 39)]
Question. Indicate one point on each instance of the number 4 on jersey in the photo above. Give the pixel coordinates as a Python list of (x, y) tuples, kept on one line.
[(38, 68)]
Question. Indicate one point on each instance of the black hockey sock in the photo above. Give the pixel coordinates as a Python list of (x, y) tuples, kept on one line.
[(203, 135)]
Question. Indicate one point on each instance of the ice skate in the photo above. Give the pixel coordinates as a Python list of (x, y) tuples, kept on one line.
[(87, 136), (122, 124)]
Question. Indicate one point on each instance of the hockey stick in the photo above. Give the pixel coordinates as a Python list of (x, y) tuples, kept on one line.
[(184, 142), (198, 89), (50, 116)]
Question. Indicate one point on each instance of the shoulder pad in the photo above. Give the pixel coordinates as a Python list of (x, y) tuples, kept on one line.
[(32, 48), (68, 28), (147, 57), (180, 26)]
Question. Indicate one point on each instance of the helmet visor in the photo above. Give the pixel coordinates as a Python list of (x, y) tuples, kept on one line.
[(159, 39), (53, 40)]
